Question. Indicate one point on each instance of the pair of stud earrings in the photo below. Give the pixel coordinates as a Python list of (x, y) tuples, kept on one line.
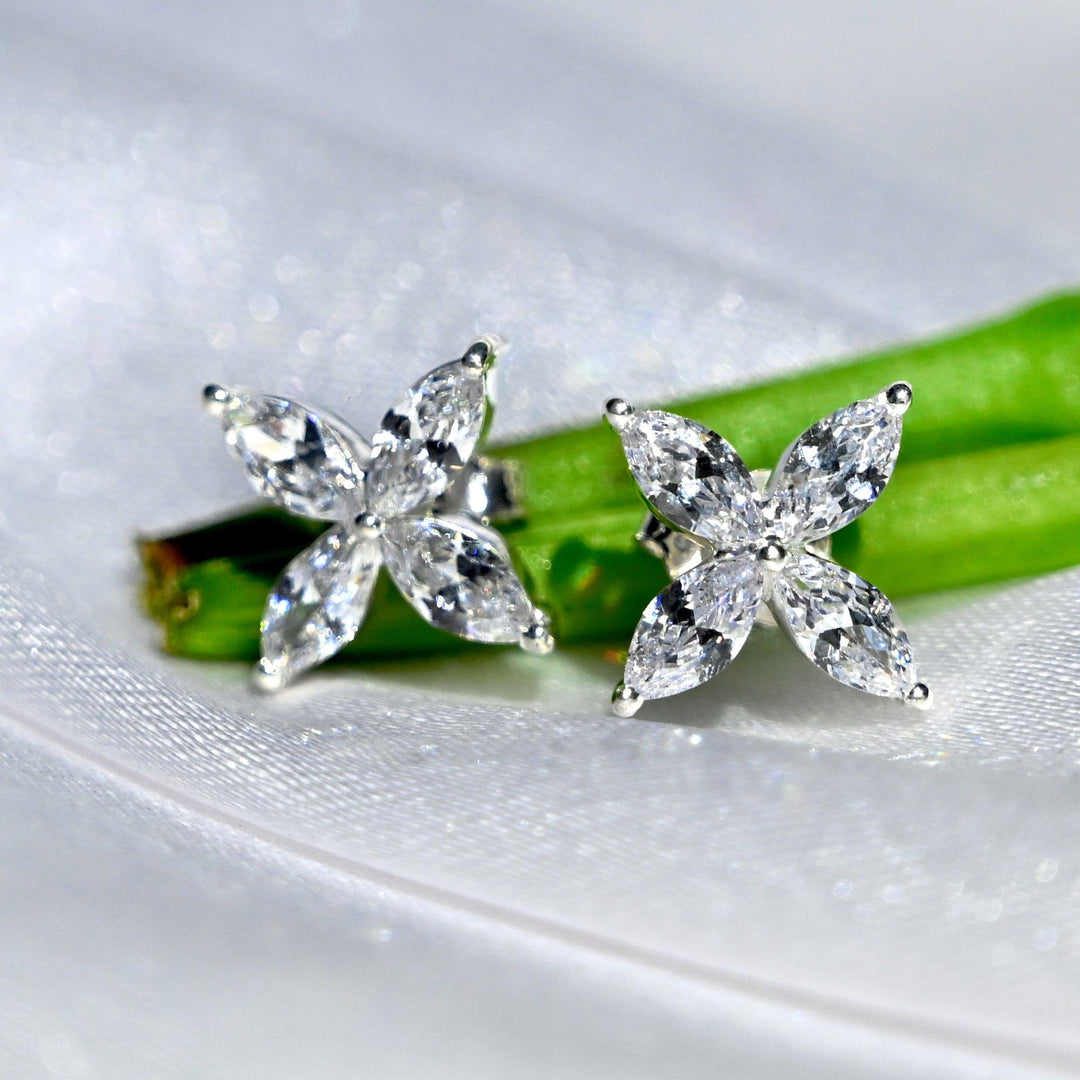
[(419, 499)]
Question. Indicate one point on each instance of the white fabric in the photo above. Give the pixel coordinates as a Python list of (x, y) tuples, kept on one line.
[(469, 868)]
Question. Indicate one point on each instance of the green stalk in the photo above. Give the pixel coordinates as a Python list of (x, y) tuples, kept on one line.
[(987, 488), (1010, 512), (1012, 381)]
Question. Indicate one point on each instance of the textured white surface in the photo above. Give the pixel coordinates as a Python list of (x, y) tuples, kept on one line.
[(769, 876)]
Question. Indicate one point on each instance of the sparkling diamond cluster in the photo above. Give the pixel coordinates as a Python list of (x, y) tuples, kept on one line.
[(391, 501), (762, 546)]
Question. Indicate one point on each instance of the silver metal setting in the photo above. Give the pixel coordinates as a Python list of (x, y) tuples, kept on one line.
[(370, 526), (679, 551), (618, 413), (216, 399), (899, 397), (482, 352), (487, 488), (625, 700), (537, 638), (772, 555), (920, 696), (775, 566), (419, 500)]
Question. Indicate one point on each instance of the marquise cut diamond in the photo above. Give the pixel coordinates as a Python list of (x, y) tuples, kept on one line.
[(692, 477), (293, 456), (835, 470), (845, 625), (457, 574), (426, 439), (318, 603), (695, 627)]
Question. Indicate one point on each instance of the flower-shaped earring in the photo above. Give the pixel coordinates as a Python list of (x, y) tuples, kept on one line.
[(415, 499), (733, 545)]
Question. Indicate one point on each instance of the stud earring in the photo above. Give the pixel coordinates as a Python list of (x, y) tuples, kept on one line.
[(739, 544), (417, 499)]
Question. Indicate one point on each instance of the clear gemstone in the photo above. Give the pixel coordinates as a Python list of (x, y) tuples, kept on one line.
[(426, 439), (695, 627), (307, 462), (835, 470), (845, 625), (319, 602), (458, 577), (692, 477)]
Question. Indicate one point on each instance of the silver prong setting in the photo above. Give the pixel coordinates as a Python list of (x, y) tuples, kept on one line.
[(898, 397), (536, 638), (772, 555), (369, 526), (618, 413), (216, 399), (267, 678), (625, 701), (483, 352), (920, 696)]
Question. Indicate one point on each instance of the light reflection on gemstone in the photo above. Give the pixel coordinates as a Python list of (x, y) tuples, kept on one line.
[(829, 476), (453, 569), (834, 470), (695, 627), (307, 462), (458, 576), (319, 602), (845, 625), (426, 439), (692, 476)]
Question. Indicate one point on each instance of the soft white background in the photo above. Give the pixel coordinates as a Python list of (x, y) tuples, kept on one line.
[(973, 101), (472, 870)]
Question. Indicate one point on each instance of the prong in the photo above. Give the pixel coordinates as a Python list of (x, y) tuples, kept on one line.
[(625, 701), (216, 399), (536, 638), (369, 526), (898, 398), (919, 696), (483, 352), (772, 555), (618, 412), (267, 678)]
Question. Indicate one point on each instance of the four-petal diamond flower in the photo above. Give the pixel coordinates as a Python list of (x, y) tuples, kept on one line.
[(403, 501), (758, 546)]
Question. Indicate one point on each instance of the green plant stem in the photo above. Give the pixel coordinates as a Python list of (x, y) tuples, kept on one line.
[(987, 488), (1013, 381)]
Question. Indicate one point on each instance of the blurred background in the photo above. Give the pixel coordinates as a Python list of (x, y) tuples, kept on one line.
[(471, 870), (973, 101)]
